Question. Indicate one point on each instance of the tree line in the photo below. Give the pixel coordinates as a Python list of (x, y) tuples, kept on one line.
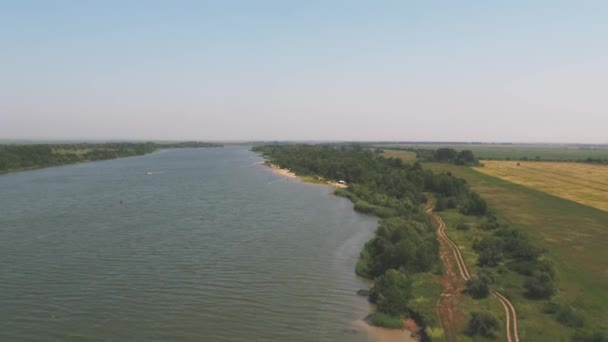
[(28, 156)]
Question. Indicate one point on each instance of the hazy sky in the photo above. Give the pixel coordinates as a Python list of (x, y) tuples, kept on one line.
[(529, 71)]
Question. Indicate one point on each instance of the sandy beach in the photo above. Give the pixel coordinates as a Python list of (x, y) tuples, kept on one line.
[(382, 334), (288, 173), (283, 172)]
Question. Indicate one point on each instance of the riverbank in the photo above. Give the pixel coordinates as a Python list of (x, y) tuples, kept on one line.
[(282, 172), (410, 330), (306, 179), (379, 334)]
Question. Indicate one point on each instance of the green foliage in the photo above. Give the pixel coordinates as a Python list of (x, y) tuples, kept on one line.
[(475, 205), (383, 320), (567, 316), (445, 155), (483, 324), (478, 287), (465, 157), (490, 251), (17, 157), (490, 223), (391, 293), (401, 244), (539, 285)]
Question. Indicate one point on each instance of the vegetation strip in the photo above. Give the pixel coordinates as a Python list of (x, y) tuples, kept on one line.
[(18, 157), (512, 335)]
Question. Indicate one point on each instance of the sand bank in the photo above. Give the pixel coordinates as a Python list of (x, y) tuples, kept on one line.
[(282, 172), (386, 335)]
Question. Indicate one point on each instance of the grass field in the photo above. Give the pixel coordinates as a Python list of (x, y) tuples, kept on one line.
[(517, 152), (582, 183), (406, 156), (533, 324), (574, 236)]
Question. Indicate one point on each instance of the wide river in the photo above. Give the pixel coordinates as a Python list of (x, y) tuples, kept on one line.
[(178, 245)]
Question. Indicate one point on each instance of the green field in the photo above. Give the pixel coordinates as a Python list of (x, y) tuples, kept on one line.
[(406, 156), (574, 236), (517, 152)]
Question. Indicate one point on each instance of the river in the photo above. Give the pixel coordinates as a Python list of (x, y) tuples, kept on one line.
[(177, 245)]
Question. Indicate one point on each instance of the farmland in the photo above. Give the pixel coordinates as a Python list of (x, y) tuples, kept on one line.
[(582, 183), (406, 156), (573, 235), (520, 151)]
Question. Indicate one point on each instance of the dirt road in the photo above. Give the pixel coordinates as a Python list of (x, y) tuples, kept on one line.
[(447, 325)]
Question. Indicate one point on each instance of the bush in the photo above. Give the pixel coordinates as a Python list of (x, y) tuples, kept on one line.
[(489, 257), (380, 319), (570, 318), (391, 293), (540, 285), (478, 287), (482, 323), (475, 205), (551, 308), (490, 223)]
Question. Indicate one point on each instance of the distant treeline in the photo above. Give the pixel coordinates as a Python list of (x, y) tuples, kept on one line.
[(20, 157), (405, 242), (441, 155), (466, 157)]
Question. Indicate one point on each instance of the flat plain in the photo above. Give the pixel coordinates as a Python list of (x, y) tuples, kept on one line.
[(579, 182), (406, 156), (573, 235), (520, 151)]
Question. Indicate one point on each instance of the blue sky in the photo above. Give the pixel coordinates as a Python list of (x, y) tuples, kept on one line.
[(528, 71)]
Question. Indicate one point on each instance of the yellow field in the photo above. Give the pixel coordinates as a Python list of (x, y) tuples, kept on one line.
[(582, 183), (406, 156)]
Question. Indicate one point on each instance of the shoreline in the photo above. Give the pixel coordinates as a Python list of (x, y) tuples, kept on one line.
[(379, 334), (306, 179), (408, 333), (283, 172)]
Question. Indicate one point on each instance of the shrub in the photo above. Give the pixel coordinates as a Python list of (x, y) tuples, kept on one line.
[(482, 323), (490, 223), (475, 205), (551, 308), (380, 319), (478, 287), (570, 318), (391, 293), (539, 286), (489, 257)]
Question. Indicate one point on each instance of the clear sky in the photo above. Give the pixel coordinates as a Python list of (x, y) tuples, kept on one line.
[(523, 71)]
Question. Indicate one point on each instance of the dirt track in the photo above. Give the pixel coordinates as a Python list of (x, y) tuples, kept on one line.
[(443, 310)]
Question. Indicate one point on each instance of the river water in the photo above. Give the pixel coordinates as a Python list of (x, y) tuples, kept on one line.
[(178, 245)]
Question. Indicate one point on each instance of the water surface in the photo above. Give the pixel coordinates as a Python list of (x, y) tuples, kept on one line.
[(207, 245)]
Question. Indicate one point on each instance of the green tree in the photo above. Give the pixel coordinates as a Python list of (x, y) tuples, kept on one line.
[(478, 287), (392, 292), (540, 285), (482, 323)]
